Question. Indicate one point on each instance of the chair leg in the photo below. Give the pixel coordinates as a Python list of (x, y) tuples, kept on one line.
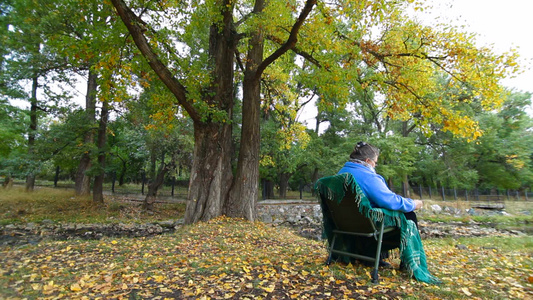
[(328, 262), (374, 274)]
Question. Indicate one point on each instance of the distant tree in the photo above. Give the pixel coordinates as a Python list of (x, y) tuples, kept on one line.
[(27, 61)]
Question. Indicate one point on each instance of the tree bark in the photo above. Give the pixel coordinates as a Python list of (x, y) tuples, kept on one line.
[(211, 175), (152, 172), (314, 178), (82, 184), (153, 187), (405, 187), (122, 175), (30, 178), (284, 185), (98, 188), (405, 180), (268, 189), (244, 192)]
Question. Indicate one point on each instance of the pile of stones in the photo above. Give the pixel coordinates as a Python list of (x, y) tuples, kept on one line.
[(304, 218)]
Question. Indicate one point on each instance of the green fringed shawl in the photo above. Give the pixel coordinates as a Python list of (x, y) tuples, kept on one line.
[(411, 249)]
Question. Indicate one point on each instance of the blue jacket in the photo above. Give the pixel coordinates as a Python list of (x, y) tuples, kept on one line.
[(376, 189)]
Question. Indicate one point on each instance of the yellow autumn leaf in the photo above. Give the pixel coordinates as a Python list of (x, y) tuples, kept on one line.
[(269, 288), (75, 287), (466, 291)]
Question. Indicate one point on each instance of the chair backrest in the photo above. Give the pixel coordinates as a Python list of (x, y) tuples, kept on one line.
[(346, 215)]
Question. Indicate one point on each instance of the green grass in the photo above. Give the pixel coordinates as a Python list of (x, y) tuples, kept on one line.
[(520, 215), (60, 205)]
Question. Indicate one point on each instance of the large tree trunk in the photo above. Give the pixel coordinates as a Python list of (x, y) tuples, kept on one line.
[(244, 192), (82, 183), (30, 178), (211, 172), (98, 188)]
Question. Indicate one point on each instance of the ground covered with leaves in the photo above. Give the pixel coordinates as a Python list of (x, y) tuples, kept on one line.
[(236, 259)]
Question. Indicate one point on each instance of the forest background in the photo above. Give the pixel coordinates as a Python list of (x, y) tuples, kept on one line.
[(210, 93)]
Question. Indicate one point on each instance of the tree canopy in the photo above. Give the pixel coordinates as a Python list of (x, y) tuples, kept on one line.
[(239, 73)]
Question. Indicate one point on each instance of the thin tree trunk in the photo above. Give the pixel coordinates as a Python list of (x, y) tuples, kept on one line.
[(82, 183), (98, 188), (153, 164), (405, 180), (314, 178), (284, 185), (269, 189), (405, 187), (153, 187), (122, 173), (30, 178)]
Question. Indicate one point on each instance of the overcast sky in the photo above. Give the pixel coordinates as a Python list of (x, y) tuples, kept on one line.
[(503, 24)]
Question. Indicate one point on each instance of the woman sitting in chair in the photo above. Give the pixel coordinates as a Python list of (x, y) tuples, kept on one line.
[(361, 165)]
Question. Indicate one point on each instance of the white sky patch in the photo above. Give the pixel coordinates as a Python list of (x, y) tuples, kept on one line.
[(500, 25)]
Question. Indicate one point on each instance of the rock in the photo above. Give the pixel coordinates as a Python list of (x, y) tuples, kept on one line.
[(517, 232), (266, 218), (436, 208), (167, 224), (472, 212)]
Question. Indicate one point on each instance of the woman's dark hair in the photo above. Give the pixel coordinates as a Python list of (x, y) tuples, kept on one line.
[(363, 151)]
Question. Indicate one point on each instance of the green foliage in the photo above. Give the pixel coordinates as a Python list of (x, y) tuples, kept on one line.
[(12, 129), (418, 93)]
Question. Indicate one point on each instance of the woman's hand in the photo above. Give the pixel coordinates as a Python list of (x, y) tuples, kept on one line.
[(418, 204)]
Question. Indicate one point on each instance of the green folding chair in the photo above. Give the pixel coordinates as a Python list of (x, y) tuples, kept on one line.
[(344, 220)]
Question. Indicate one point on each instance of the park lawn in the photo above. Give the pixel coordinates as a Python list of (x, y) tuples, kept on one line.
[(232, 258), (63, 206)]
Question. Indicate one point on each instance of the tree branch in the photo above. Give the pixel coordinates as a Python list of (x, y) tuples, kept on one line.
[(132, 22), (291, 41)]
